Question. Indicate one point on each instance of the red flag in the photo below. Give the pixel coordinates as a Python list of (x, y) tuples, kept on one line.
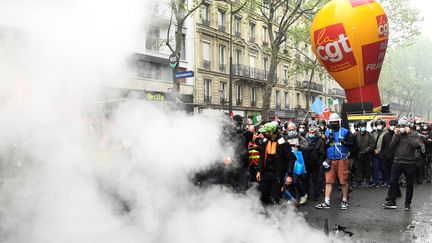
[(326, 114)]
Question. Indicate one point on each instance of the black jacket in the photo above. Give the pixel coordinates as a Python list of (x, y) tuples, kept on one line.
[(405, 146), (282, 164), (316, 153), (387, 153), (366, 146)]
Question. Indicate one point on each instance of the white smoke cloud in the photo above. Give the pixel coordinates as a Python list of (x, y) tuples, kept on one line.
[(126, 179)]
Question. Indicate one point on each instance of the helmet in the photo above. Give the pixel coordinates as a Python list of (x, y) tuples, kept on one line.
[(238, 118), (334, 117), (268, 127)]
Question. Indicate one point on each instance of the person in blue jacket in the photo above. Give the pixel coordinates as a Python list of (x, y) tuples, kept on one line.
[(338, 143)]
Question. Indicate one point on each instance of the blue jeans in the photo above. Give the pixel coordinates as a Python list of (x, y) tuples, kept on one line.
[(378, 170)]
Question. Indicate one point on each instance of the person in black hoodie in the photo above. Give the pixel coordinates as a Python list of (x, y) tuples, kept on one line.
[(427, 155), (313, 156), (386, 152), (276, 163), (405, 143), (362, 163)]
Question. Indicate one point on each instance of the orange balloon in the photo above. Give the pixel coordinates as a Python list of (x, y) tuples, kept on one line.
[(349, 37)]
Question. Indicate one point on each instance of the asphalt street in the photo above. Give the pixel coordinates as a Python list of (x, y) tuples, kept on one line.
[(370, 222)]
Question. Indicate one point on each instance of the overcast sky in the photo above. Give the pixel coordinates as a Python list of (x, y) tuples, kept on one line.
[(425, 7)]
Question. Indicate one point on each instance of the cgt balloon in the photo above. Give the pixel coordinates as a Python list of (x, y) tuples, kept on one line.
[(350, 37)]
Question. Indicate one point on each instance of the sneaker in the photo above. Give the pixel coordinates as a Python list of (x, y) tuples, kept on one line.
[(322, 206), (407, 208), (384, 185), (303, 199), (344, 205), (390, 205)]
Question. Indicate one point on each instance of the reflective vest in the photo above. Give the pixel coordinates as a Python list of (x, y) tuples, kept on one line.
[(254, 156), (337, 151)]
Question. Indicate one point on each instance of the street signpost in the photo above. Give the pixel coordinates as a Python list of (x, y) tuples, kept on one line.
[(173, 60), (187, 74)]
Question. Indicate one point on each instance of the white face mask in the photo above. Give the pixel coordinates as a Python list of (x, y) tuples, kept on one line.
[(363, 129), (374, 128), (402, 130), (301, 130), (379, 127), (392, 128)]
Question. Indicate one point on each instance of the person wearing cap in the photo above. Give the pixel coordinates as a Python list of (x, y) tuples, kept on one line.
[(276, 163), (338, 142), (404, 143)]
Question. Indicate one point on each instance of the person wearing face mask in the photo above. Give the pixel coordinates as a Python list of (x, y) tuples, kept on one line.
[(276, 164), (338, 142), (420, 163), (404, 143), (427, 155), (313, 157), (377, 161), (362, 162), (322, 128), (298, 143), (303, 128), (387, 153)]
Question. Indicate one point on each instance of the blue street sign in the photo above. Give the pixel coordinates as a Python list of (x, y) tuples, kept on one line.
[(187, 74)]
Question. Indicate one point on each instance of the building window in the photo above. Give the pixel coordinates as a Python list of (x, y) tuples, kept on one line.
[(253, 96), (154, 71), (286, 100), (206, 15), (183, 47), (153, 39), (239, 95), (266, 71), (207, 90), (221, 20), (238, 56), (285, 74), (277, 99), (223, 92), (265, 38), (298, 100), (206, 56), (237, 26), (252, 32), (222, 64)]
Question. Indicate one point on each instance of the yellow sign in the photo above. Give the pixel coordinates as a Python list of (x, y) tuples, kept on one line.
[(350, 37), (155, 97)]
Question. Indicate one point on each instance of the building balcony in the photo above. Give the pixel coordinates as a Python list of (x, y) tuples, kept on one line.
[(223, 101), (337, 91), (207, 99), (222, 68), (248, 72), (206, 22), (313, 86), (221, 28), (207, 65), (237, 34)]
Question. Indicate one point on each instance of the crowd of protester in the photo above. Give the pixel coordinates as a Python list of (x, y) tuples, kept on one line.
[(305, 161)]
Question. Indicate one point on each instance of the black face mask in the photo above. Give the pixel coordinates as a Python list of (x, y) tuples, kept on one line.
[(334, 127)]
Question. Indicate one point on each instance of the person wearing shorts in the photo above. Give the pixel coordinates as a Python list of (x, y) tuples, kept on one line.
[(338, 142)]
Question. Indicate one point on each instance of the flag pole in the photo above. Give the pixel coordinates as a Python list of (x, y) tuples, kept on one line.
[(304, 119)]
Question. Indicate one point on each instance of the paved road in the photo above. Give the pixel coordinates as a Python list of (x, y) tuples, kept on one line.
[(369, 222)]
